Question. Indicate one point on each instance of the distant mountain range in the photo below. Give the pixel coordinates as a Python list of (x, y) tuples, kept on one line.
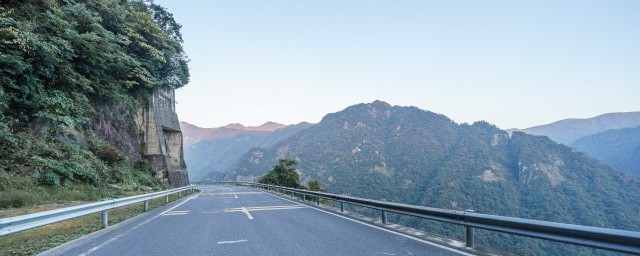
[(404, 154), (609, 138), (211, 152), (618, 148), (568, 130), (193, 134)]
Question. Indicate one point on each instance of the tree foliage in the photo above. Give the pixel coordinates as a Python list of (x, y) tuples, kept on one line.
[(314, 185), (72, 75), (56, 56), (283, 174)]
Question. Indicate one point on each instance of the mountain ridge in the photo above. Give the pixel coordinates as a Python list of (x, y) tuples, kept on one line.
[(568, 130), (213, 155), (193, 134), (619, 148), (408, 155)]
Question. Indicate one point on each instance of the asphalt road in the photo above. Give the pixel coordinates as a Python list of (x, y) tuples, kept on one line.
[(226, 220)]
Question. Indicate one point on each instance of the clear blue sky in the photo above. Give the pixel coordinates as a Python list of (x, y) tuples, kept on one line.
[(511, 63)]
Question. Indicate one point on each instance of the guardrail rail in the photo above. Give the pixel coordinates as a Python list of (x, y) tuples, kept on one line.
[(602, 238), (20, 223)]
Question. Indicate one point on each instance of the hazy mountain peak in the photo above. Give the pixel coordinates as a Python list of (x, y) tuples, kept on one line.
[(193, 134), (187, 124), (568, 130), (379, 103), (234, 126), (269, 126)]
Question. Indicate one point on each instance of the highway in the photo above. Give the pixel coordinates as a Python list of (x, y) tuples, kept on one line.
[(227, 220)]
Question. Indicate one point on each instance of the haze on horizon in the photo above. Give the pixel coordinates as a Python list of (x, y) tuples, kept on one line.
[(512, 64)]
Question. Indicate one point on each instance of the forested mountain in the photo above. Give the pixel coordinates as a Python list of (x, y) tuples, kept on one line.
[(193, 134), (74, 76), (568, 130), (618, 148), (404, 154), (213, 157)]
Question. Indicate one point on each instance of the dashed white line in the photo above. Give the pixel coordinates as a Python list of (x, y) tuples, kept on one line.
[(174, 213), (233, 242)]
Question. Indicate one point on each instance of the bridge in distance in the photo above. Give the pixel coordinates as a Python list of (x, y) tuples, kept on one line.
[(230, 220)]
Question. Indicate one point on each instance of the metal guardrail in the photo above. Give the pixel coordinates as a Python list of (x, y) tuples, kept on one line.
[(23, 222), (595, 237)]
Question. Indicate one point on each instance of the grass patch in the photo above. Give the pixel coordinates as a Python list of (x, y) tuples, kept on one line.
[(19, 191), (40, 239)]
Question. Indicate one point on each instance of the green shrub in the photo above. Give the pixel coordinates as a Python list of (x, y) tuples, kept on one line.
[(50, 178)]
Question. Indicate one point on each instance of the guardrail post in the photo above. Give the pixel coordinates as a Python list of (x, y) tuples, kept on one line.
[(304, 197), (341, 207), (383, 217), (180, 194), (470, 242), (105, 218), (146, 205), (469, 230), (166, 199), (317, 201)]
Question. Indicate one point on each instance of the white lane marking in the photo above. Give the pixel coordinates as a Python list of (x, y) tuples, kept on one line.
[(209, 198), (230, 193), (247, 213), (384, 253), (174, 213), (235, 195), (383, 229), (136, 226), (262, 208), (233, 242)]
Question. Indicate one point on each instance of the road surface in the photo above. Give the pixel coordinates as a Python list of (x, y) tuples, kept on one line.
[(228, 220)]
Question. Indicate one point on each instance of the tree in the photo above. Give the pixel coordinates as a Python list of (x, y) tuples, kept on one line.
[(283, 174), (68, 70), (314, 185)]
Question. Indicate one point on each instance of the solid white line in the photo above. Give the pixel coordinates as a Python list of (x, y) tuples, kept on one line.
[(232, 242), (247, 213), (136, 226), (383, 229)]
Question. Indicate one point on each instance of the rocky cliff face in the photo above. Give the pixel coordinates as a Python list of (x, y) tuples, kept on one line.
[(163, 145)]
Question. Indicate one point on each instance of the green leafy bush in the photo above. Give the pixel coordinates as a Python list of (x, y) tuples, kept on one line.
[(72, 75)]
